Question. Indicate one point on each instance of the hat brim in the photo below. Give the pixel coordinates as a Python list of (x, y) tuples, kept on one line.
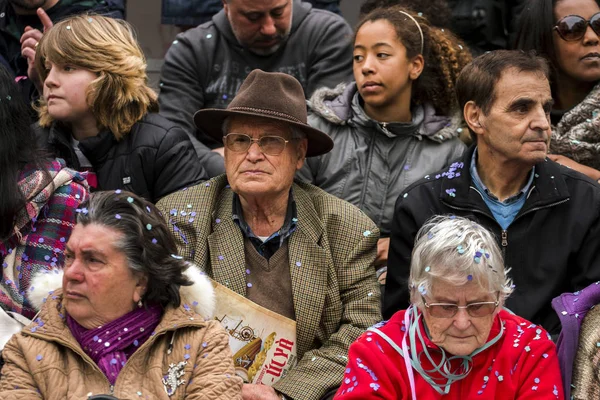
[(210, 121)]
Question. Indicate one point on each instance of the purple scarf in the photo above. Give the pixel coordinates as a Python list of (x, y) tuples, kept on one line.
[(112, 344)]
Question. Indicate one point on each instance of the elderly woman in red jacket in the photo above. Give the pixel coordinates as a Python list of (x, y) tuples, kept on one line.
[(455, 340)]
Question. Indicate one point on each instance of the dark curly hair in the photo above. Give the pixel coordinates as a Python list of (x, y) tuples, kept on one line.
[(146, 241), (445, 56), (438, 12)]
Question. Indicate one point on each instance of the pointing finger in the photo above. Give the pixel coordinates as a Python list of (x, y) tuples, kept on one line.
[(46, 21)]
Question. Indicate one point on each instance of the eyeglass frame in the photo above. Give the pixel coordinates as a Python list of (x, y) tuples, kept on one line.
[(257, 141), (428, 306), (587, 22)]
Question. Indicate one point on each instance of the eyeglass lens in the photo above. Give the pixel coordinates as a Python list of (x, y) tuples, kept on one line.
[(270, 145), (573, 27), (474, 310)]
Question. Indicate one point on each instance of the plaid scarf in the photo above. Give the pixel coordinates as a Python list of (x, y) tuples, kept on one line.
[(42, 229)]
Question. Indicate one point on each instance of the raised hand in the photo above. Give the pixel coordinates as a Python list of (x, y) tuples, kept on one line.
[(29, 41)]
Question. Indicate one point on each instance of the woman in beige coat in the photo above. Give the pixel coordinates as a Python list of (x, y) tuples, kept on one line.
[(128, 321)]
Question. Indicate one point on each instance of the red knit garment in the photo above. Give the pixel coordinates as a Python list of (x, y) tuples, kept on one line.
[(522, 365)]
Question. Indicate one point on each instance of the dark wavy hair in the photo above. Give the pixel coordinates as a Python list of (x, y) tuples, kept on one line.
[(145, 240), (535, 28), (18, 147), (438, 12), (445, 56)]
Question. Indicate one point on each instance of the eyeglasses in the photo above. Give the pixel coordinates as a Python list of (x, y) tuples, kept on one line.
[(448, 310), (573, 27), (269, 145)]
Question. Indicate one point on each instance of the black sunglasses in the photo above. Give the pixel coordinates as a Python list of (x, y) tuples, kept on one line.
[(573, 27)]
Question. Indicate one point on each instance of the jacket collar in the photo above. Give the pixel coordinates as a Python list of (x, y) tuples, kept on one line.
[(95, 148), (307, 259), (300, 11), (50, 323), (340, 106), (458, 191)]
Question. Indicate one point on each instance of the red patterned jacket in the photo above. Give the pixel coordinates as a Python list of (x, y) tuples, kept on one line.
[(521, 365)]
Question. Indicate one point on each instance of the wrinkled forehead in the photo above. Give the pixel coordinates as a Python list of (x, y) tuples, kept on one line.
[(472, 291), (257, 126), (514, 83)]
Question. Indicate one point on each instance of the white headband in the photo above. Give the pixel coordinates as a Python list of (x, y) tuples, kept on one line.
[(418, 26)]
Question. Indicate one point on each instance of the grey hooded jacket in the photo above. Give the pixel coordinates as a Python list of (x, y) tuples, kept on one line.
[(205, 67), (372, 163)]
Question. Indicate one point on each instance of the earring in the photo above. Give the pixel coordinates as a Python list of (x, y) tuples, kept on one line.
[(140, 304)]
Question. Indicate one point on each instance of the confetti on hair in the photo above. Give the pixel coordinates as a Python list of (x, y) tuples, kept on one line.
[(118, 216), (427, 269), (118, 191), (149, 227), (177, 257), (460, 249), (130, 199), (470, 278)]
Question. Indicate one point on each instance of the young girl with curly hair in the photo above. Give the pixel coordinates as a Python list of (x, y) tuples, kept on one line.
[(99, 114), (398, 121)]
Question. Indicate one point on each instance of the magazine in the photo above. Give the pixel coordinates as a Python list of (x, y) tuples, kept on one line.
[(263, 343)]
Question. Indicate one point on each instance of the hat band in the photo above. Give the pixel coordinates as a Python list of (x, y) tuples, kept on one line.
[(266, 112)]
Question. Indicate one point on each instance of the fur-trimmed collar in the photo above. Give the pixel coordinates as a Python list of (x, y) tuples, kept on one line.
[(201, 292), (335, 106)]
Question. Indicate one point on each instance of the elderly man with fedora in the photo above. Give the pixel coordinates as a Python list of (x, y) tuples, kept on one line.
[(287, 246)]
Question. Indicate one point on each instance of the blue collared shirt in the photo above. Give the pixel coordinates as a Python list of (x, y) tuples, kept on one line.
[(503, 211), (273, 242)]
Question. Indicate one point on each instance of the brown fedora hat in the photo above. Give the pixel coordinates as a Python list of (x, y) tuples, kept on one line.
[(272, 95)]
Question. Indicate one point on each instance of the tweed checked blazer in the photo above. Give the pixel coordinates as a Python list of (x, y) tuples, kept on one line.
[(331, 255)]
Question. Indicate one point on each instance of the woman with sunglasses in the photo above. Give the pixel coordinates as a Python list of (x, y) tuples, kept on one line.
[(567, 33), (455, 341)]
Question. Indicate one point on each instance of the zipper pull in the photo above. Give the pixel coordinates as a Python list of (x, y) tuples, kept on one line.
[(384, 127), (112, 389), (504, 238)]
